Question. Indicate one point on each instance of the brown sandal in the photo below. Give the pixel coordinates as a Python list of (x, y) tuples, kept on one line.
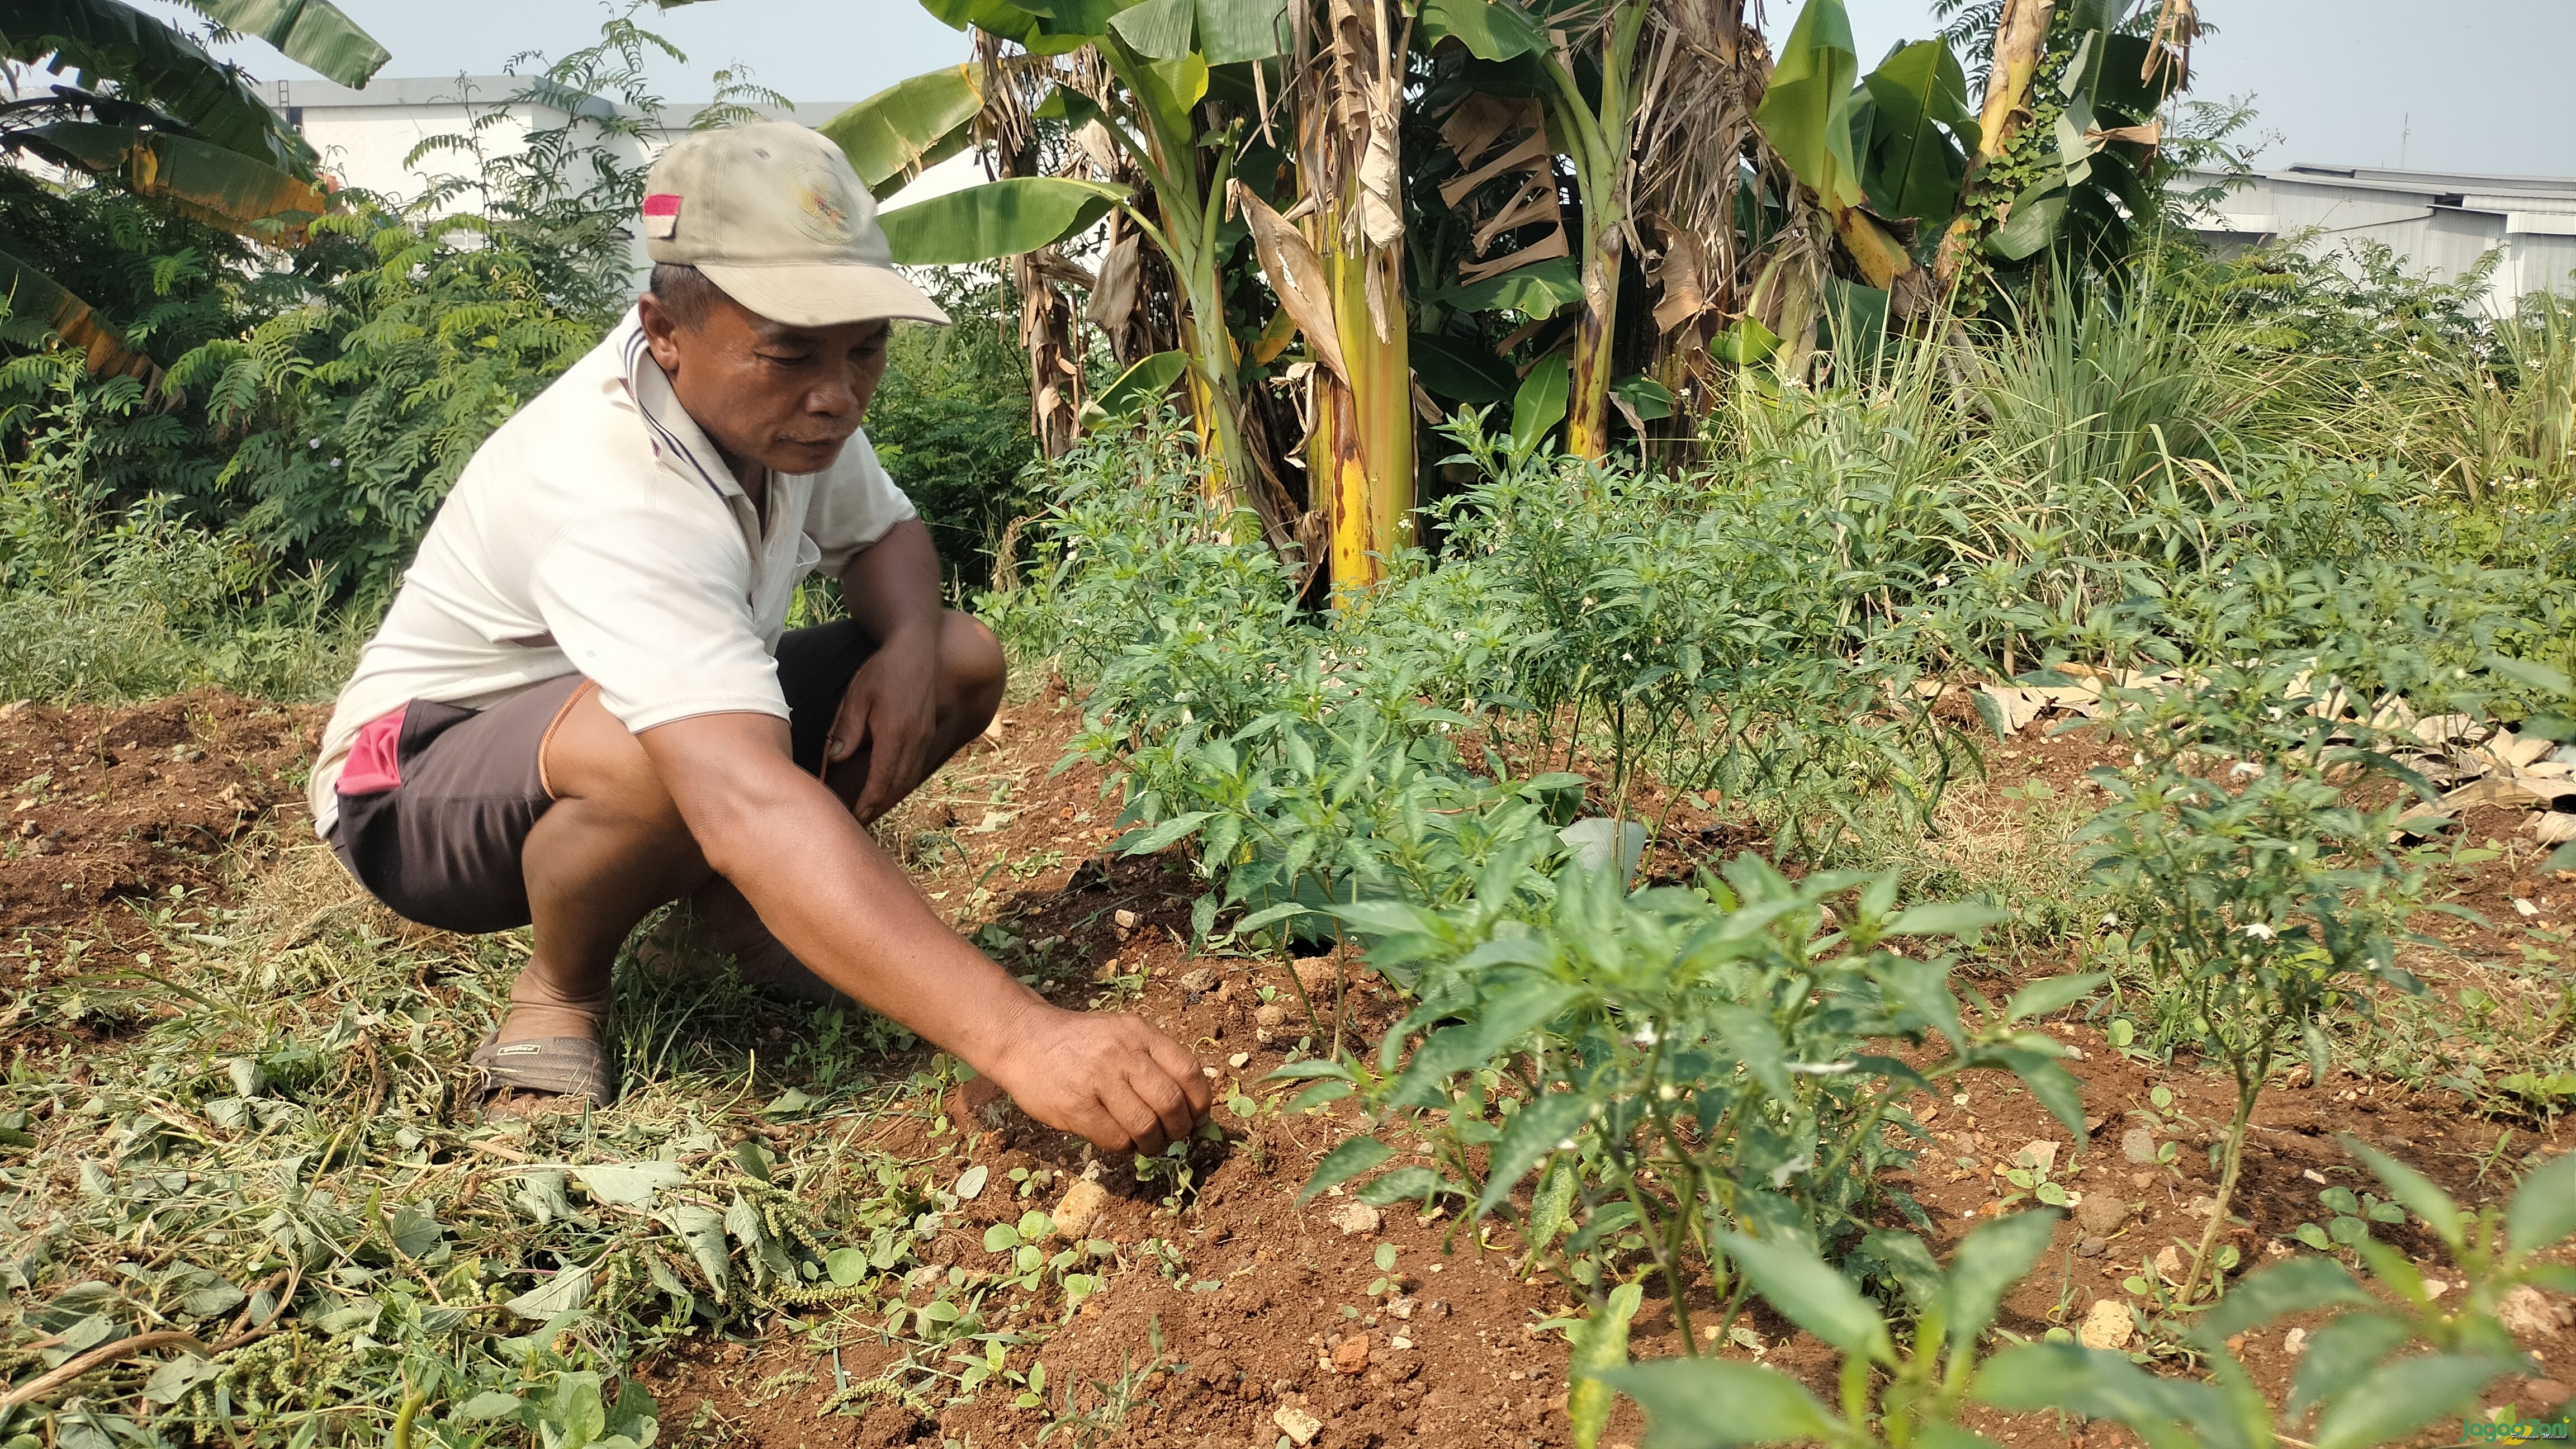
[(559, 1066)]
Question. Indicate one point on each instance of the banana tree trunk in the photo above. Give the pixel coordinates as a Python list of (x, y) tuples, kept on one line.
[(1360, 455), (1587, 419), (2021, 33), (1600, 137), (1360, 452)]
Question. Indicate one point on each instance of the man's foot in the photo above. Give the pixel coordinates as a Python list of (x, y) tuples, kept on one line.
[(716, 922), (556, 1073)]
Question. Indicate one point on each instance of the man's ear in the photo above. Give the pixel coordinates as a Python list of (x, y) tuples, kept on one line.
[(661, 331)]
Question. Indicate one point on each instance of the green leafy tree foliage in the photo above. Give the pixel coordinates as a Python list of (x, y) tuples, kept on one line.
[(951, 424)]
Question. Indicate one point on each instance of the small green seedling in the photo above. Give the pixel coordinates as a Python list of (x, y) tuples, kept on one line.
[(2350, 1225)]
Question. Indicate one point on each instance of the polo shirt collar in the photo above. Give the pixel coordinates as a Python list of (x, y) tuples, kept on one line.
[(677, 438)]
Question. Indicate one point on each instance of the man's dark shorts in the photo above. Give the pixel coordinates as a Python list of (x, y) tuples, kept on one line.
[(441, 846)]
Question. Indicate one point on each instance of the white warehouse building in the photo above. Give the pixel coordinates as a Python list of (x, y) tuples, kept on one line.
[(2439, 222)]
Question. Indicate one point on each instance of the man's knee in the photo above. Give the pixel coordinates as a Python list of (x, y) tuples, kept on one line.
[(593, 759), (976, 668)]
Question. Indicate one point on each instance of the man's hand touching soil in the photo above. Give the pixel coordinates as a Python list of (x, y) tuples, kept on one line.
[(1109, 1078)]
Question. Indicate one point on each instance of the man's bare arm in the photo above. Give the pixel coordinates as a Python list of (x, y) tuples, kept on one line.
[(832, 897), (892, 590), (892, 585)]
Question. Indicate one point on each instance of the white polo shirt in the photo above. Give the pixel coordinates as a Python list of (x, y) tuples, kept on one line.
[(598, 531)]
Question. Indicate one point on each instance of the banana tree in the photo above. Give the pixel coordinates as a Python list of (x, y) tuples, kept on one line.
[(143, 106), (2057, 153), (1592, 87), (1161, 58)]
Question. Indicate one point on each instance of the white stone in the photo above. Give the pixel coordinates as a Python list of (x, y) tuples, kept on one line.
[(2108, 1326)]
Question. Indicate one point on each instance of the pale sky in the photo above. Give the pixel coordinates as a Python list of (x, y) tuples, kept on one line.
[(2471, 85)]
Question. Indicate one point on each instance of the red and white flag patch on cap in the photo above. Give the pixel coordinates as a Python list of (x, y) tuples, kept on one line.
[(661, 215)]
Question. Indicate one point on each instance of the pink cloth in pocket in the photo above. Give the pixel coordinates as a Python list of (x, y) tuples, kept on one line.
[(375, 759)]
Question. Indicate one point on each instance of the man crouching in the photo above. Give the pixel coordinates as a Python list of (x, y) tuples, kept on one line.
[(584, 702)]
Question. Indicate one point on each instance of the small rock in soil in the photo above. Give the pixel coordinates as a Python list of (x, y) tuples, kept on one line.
[(1079, 1209), (2294, 1340), (2545, 1392), (1124, 921), (2101, 1214), (1201, 980), (2108, 1326), (1269, 1016), (2169, 1263), (1355, 1218), (2042, 1155), (2138, 1145), (1351, 1356), (2525, 1311), (2092, 1247), (1400, 1308), (1300, 1426)]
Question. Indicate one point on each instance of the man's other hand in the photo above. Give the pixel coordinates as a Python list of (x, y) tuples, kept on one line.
[(1109, 1078), (892, 712)]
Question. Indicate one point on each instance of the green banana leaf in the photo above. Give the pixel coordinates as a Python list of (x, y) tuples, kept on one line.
[(31, 293), (1465, 372), (1218, 32), (1234, 31), (1490, 29), (1150, 378), (314, 32), (150, 62), (1540, 405), (219, 187), (1918, 102), (2036, 216), (997, 219), (1540, 289), (1036, 27), (911, 124), (1806, 114)]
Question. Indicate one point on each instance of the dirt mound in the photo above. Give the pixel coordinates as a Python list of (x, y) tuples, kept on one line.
[(109, 803)]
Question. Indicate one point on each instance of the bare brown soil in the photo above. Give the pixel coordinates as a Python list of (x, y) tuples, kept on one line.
[(1261, 1306), (121, 805)]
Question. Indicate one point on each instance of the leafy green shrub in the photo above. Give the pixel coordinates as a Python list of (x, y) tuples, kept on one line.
[(1671, 1065), (2257, 894), (1899, 1390)]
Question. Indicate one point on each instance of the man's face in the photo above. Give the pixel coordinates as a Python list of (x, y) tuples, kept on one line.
[(786, 398)]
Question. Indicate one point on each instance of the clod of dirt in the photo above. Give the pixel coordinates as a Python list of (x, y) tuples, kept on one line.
[(1351, 1356), (2108, 1326), (1198, 982), (1356, 1218), (1300, 1426), (2545, 1391), (2524, 1311), (2092, 1247), (2101, 1214), (892, 1424), (1080, 1209), (1315, 973), (2139, 1146), (1269, 1016)]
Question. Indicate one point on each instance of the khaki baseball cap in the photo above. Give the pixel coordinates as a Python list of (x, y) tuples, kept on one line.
[(773, 214)]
